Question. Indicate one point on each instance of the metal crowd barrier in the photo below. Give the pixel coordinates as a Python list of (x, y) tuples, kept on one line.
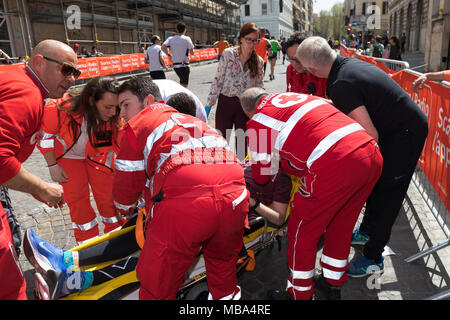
[(394, 65), (436, 206)]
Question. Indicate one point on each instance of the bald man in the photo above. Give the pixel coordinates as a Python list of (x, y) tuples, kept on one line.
[(372, 98), (50, 72)]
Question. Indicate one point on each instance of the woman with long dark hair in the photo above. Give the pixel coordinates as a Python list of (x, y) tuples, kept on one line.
[(395, 49), (239, 68), (79, 141)]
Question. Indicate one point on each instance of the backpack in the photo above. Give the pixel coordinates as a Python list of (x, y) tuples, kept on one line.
[(376, 51)]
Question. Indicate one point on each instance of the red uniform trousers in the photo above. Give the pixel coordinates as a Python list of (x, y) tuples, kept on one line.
[(193, 216), (12, 281), (77, 195), (333, 207)]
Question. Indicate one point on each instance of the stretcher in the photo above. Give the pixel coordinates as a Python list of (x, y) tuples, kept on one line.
[(261, 234)]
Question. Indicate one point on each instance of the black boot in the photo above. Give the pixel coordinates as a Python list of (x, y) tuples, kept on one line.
[(325, 291), (279, 295)]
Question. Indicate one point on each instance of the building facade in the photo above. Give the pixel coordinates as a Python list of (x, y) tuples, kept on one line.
[(368, 18), (115, 26), (303, 21), (274, 15), (426, 25)]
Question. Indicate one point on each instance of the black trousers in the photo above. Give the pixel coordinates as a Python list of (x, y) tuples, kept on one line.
[(183, 74), (229, 113), (400, 155), (157, 75)]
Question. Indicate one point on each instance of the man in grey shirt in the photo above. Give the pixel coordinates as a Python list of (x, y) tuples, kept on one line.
[(180, 45)]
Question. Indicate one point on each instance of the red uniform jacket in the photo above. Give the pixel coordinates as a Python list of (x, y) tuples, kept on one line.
[(304, 132), (56, 135), (22, 99), (156, 141), (298, 82)]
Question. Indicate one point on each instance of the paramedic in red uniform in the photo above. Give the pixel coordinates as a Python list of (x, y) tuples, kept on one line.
[(194, 190), (298, 79), (338, 163), (79, 139), (50, 72)]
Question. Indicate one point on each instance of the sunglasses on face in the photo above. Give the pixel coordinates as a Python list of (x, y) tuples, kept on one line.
[(66, 69), (293, 60), (250, 40)]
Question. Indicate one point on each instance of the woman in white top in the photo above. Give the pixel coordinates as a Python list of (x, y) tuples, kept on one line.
[(154, 57), (239, 68)]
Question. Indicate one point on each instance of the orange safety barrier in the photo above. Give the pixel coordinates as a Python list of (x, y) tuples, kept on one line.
[(434, 100), (102, 66), (347, 52)]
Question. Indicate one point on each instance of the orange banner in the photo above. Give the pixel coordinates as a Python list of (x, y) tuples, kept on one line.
[(434, 100), (103, 66)]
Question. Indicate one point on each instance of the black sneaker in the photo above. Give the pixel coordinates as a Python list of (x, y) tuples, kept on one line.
[(279, 295), (325, 291)]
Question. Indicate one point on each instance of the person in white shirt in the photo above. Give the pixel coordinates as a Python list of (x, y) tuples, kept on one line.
[(168, 88), (180, 45), (154, 57)]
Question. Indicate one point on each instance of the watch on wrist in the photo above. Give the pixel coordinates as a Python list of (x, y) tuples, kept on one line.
[(256, 205)]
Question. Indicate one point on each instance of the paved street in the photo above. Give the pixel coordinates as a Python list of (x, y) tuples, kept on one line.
[(415, 230)]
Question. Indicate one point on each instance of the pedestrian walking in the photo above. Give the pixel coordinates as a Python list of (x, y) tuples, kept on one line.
[(377, 48), (221, 45), (275, 46), (263, 47), (180, 45), (154, 56), (403, 42), (395, 121), (283, 48), (395, 52)]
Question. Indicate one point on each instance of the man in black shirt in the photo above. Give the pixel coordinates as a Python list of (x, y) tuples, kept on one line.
[(369, 96)]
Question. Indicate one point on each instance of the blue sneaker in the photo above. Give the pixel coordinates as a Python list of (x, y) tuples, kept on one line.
[(362, 267), (63, 283), (43, 255), (359, 237)]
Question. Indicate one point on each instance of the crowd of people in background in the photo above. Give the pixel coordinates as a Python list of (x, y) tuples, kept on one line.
[(379, 46), (390, 47)]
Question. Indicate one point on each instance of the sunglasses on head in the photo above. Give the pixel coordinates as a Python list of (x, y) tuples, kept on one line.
[(66, 69)]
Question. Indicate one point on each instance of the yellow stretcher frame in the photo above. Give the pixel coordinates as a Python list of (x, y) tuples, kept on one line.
[(99, 291)]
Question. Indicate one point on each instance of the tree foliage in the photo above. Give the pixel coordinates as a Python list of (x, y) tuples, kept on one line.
[(330, 23)]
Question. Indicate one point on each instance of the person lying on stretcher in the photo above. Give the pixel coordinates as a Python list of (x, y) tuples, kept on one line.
[(57, 266)]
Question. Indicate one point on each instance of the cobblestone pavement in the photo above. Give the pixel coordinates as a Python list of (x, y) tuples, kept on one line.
[(415, 230)]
